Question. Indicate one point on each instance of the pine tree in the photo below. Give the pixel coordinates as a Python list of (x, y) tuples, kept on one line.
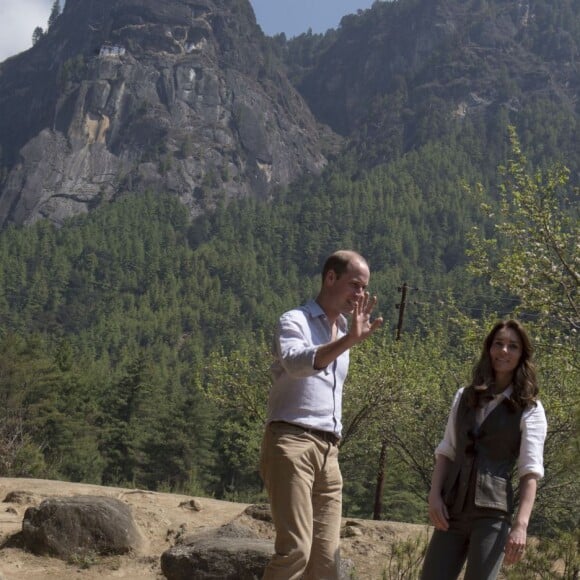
[(37, 34), (54, 13)]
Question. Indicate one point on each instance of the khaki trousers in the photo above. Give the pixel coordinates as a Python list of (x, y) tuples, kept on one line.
[(304, 484)]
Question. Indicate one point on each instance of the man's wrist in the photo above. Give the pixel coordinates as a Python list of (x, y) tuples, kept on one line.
[(351, 339)]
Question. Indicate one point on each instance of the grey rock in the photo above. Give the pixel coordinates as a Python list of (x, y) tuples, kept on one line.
[(351, 532), (259, 512), (231, 552), (66, 526), (192, 504), (20, 497), (217, 558)]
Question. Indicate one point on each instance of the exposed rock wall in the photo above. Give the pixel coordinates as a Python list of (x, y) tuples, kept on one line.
[(181, 96)]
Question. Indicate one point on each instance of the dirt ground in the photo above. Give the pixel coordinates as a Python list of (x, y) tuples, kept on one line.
[(160, 517)]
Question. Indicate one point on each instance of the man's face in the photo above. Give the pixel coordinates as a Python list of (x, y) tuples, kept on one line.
[(346, 290)]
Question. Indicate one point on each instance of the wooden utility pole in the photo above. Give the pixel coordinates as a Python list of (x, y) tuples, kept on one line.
[(401, 307), (378, 508)]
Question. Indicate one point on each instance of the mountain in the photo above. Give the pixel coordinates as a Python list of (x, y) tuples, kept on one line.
[(180, 96), (189, 97), (403, 73)]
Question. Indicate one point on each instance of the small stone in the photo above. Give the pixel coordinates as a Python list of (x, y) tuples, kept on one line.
[(192, 504)]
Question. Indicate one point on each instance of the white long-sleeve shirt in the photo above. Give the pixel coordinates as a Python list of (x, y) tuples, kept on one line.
[(301, 394)]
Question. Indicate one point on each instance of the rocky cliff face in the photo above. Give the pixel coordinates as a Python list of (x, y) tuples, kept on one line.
[(120, 95), (467, 54)]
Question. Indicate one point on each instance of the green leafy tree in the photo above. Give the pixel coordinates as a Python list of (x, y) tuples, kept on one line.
[(125, 428), (48, 413), (238, 383), (20, 456), (396, 405), (533, 253)]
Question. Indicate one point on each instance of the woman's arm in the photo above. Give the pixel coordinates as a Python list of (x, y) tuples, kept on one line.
[(438, 513), (444, 457), (516, 541)]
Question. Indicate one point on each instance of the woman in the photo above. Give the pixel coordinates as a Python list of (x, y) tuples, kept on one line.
[(495, 424)]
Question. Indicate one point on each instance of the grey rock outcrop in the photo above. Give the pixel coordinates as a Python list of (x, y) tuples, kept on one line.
[(182, 96), (20, 497), (64, 526), (228, 553), (232, 552)]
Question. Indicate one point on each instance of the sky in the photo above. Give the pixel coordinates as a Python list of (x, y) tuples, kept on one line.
[(19, 18)]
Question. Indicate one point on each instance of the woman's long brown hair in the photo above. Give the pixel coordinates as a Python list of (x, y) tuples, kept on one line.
[(524, 382)]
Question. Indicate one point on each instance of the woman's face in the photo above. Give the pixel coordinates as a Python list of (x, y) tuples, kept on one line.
[(505, 352)]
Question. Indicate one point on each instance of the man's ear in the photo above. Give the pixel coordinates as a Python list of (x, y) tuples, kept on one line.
[(330, 278)]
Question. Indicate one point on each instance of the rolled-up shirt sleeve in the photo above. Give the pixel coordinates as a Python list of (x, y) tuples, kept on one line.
[(449, 441), (534, 427), (294, 347)]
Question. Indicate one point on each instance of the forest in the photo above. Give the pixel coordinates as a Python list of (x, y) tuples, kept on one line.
[(134, 345)]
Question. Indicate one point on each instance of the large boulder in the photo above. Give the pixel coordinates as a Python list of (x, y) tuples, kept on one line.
[(232, 552), (64, 526)]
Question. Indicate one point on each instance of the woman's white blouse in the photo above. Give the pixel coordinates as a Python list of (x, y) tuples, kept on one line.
[(533, 426)]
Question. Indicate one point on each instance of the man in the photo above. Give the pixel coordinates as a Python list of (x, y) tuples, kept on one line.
[(299, 457)]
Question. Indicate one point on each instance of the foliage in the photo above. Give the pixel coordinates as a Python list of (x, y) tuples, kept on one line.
[(237, 383), (19, 455), (152, 334), (541, 263), (132, 345), (54, 14), (533, 255), (37, 34), (71, 71), (84, 559), (406, 558)]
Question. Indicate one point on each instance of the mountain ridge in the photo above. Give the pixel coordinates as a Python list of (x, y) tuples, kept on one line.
[(390, 70)]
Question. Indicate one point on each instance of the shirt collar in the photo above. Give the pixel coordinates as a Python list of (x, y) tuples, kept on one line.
[(315, 311), (507, 393)]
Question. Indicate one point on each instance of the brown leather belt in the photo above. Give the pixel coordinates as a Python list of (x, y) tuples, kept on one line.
[(327, 436)]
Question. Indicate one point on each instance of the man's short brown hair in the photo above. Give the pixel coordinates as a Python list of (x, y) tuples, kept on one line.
[(339, 262)]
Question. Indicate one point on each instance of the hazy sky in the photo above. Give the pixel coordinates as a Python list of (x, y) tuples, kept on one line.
[(19, 18)]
